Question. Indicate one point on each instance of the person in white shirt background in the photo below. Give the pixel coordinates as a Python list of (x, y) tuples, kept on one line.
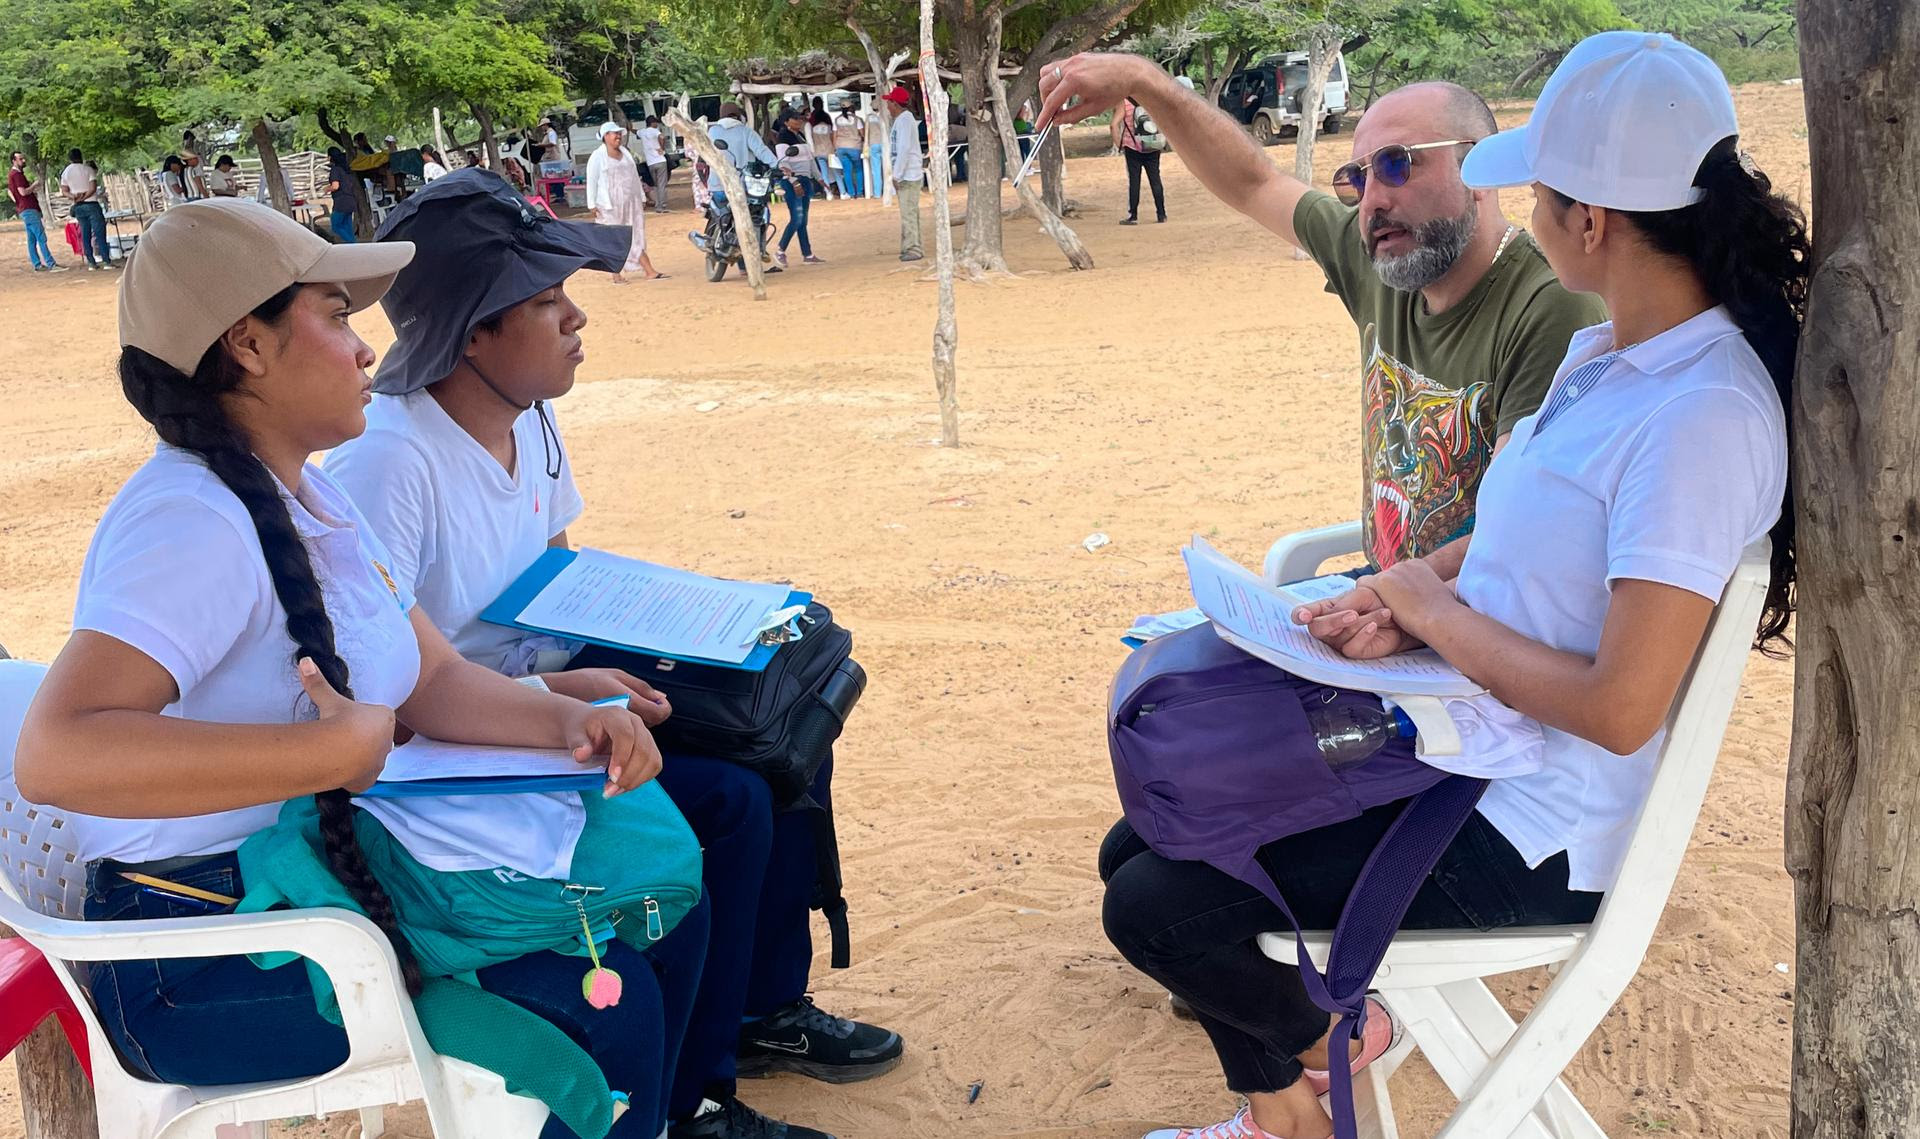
[(1659, 455), (849, 144), (653, 150), (238, 643), (430, 165), (908, 169), (616, 196), (820, 139), (221, 180), (82, 185), (463, 474)]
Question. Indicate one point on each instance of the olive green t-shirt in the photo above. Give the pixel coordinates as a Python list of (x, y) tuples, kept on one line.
[(1439, 389)]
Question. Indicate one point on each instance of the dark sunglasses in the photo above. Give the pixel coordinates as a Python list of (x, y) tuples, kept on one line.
[(1393, 165)]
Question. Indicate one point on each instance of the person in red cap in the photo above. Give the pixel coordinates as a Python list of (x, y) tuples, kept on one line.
[(908, 168)]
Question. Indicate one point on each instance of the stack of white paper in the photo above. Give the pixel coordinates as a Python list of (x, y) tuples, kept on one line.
[(1258, 618)]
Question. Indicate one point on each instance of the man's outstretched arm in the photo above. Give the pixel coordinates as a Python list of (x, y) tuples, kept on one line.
[(1215, 147)]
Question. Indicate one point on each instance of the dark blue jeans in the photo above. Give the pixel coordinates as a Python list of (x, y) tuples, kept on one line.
[(731, 812), (799, 196), (202, 1020), (92, 220), (1193, 928), (342, 223)]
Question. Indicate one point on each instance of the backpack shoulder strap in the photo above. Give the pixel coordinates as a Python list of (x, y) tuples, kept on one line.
[(1377, 904)]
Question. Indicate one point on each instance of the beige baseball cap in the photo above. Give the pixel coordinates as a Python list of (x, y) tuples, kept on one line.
[(202, 266)]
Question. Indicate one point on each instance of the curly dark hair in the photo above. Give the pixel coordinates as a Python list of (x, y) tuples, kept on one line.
[(186, 412), (1750, 247)]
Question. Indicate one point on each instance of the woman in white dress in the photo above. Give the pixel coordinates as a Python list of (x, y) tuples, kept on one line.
[(616, 196)]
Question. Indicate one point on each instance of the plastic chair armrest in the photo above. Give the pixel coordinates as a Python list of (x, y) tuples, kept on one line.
[(1300, 555), (349, 948)]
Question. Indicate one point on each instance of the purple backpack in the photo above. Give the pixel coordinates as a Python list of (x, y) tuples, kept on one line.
[(1213, 758)]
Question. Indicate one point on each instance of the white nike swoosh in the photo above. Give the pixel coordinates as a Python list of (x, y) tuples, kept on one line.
[(801, 1049)]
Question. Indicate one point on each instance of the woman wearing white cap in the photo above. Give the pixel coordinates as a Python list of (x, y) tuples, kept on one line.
[(1659, 454), (239, 643), (616, 196)]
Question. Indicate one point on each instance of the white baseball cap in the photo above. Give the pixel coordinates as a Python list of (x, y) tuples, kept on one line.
[(611, 127), (1624, 122)]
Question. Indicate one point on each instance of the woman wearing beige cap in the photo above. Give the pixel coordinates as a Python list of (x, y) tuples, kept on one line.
[(238, 642)]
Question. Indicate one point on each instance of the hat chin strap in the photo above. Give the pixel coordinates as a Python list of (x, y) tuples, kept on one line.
[(549, 438)]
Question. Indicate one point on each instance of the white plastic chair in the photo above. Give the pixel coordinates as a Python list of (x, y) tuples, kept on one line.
[(1507, 1077), (389, 1061)]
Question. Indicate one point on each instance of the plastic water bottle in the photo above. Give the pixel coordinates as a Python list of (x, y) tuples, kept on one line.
[(1349, 733)]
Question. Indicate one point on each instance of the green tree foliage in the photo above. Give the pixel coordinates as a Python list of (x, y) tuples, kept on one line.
[(74, 73)]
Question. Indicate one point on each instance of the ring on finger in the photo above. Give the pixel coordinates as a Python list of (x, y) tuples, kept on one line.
[(1058, 75)]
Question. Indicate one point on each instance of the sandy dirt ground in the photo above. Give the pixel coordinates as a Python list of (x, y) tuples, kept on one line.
[(1199, 380)]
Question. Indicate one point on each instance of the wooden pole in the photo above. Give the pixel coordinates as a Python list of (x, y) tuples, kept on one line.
[(946, 333), (694, 136), (1853, 799), (55, 1097)]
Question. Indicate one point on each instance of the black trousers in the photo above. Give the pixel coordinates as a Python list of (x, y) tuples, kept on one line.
[(1192, 927), (1149, 161)]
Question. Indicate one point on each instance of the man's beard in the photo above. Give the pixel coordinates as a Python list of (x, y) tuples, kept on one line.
[(1438, 244)]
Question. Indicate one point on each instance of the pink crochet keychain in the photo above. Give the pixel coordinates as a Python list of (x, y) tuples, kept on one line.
[(601, 986)]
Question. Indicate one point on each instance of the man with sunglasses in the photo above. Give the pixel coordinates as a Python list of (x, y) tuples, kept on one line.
[(1462, 323)]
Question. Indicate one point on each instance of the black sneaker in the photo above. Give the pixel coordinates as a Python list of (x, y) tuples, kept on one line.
[(735, 1120), (801, 1038)]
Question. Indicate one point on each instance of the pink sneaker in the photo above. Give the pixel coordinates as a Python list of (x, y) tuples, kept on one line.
[(1379, 1036), (1240, 1126)]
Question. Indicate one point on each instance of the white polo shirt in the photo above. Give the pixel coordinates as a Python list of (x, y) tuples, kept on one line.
[(1663, 467), (176, 571), (460, 526)]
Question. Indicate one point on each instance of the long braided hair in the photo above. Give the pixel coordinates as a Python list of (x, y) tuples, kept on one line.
[(186, 412)]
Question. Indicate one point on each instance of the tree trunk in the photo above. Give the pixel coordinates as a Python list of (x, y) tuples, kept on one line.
[(974, 44), (270, 167), (946, 334), (55, 1097), (694, 138), (610, 91), (489, 146), (1069, 242), (1053, 173), (1853, 802), (882, 81), (1323, 41), (1218, 83)]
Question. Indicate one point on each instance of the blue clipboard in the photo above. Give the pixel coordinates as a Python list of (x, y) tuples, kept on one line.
[(506, 609), (488, 785)]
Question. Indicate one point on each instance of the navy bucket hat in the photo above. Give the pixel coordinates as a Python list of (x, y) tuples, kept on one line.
[(481, 249)]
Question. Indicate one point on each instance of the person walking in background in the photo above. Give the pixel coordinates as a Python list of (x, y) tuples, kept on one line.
[(820, 137), (340, 186), (616, 197), (653, 149), (1126, 139), (796, 166), (82, 186), (26, 202), (431, 167), (908, 169), (849, 145)]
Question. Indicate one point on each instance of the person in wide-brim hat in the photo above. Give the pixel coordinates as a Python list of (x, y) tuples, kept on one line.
[(483, 249)]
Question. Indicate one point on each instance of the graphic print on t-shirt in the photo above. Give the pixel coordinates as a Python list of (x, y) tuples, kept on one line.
[(1426, 446)]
